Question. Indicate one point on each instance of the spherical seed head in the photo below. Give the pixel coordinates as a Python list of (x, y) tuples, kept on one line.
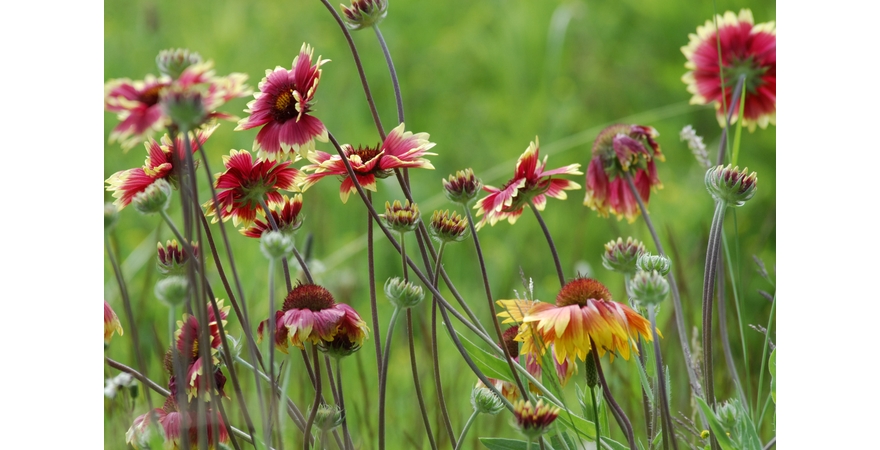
[(649, 262), (364, 13), (186, 108), (462, 187), (485, 401), (449, 227), (533, 420), (173, 62), (402, 218), (172, 290), (731, 185), (579, 290), (172, 257), (275, 244), (403, 294), (622, 256), (154, 199), (328, 417), (111, 216), (649, 288), (308, 296)]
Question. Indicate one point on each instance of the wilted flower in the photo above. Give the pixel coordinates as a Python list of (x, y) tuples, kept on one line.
[(246, 183), (462, 187), (618, 150), (533, 420), (530, 182), (731, 185), (746, 49), (364, 13), (111, 323), (448, 227), (283, 109), (622, 257), (401, 218), (400, 150)]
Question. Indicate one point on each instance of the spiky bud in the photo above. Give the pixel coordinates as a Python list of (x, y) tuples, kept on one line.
[(328, 417), (731, 185), (622, 256), (172, 290), (173, 62), (534, 420), (171, 258), (449, 227), (154, 199), (649, 262), (485, 401), (185, 108), (401, 218), (462, 187), (648, 288), (403, 294), (275, 245), (364, 13)]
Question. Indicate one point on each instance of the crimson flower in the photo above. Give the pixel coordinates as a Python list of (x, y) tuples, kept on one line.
[(288, 219), (282, 108), (746, 49), (171, 421), (529, 182), (621, 149), (401, 149), (246, 183), (159, 164), (187, 343)]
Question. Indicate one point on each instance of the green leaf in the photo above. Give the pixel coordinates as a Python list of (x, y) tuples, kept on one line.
[(492, 366), (720, 432), (643, 378), (504, 444), (583, 426), (773, 375)]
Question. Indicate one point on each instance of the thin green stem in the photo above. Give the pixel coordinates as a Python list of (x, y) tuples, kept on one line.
[(435, 353), (272, 412), (549, 242), (374, 309), (415, 371), (669, 431), (722, 330), (737, 303), (383, 377), (341, 402), (314, 412), (394, 81), (709, 277), (764, 354), (725, 142), (467, 426), (596, 416)]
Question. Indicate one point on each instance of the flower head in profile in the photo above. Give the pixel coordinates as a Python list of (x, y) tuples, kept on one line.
[(159, 165), (310, 314), (111, 322), (188, 344), (530, 182), (583, 311), (746, 49), (364, 13), (400, 150), (171, 420), (283, 109), (350, 334), (143, 105), (620, 150), (288, 218), (172, 257), (246, 183), (533, 419)]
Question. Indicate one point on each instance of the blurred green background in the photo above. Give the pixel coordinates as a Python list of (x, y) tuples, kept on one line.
[(483, 78)]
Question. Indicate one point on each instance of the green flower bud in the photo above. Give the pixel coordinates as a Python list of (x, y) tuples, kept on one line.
[(648, 288), (275, 244), (185, 108), (622, 256), (111, 216), (328, 417), (485, 401), (592, 372), (462, 187), (448, 227), (649, 262), (172, 290), (174, 62), (730, 185), (401, 218), (403, 294), (364, 13), (154, 199)]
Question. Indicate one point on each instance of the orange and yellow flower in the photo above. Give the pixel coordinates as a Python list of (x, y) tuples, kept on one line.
[(583, 311)]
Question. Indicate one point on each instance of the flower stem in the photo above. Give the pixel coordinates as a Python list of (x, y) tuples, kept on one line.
[(394, 81), (708, 294), (764, 358), (550, 242), (272, 412), (314, 412), (676, 296), (737, 91), (383, 377), (622, 420), (467, 426), (669, 431), (374, 309), (596, 416), (418, 385), (435, 353), (341, 402)]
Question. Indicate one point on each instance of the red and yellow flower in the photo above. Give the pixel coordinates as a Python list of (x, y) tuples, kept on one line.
[(400, 150), (282, 108), (619, 150), (530, 182), (188, 345), (246, 183), (160, 164), (288, 219), (171, 420), (583, 311), (111, 322), (746, 49)]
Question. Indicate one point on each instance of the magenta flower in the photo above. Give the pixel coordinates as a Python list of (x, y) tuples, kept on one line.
[(288, 219), (188, 345), (283, 107), (530, 182), (171, 421), (401, 149)]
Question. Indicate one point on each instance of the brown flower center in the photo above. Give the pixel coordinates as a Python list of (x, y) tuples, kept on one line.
[(151, 95), (285, 106), (308, 296), (579, 290)]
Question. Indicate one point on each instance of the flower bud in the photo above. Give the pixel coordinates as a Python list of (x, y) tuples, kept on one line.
[(622, 256), (448, 227), (275, 244), (534, 420), (172, 290), (364, 13), (185, 108), (111, 216), (462, 187), (174, 62), (649, 262), (172, 257), (401, 218), (403, 294), (485, 401), (328, 417), (731, 185), (649, 288), (154, 199)]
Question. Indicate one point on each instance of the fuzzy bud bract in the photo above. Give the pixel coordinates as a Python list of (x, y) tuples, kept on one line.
[(649, 288), (462, 187), (174, 62), (275, 245), (485, 401), (448, 227), (731, 185), (172, 290), (364, 13), (403, 294), (111, 216), (622, 256), (649, 262), (154, 199), (401, 218)]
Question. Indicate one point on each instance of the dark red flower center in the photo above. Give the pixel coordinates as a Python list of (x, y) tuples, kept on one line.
[(579, 290), (285, 106), (308, 296), (151, 96), (508, 343)]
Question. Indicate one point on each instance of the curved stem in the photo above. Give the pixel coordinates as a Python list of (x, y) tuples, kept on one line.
[(341, 402), (383, 377), (622, 420), (394, 81), (550, 242), (669, 431), (415, 371), (596, 416), (467, 426), (314, 412), (435, 353), (676, 296)]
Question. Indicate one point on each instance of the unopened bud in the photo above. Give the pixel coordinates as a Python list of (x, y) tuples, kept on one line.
[(485, 401), (731, 185), (364, 13), (462, 187), (154, 199), (649, 262), (172, 290), (403, 294), (649, 288), (174, 62), (275, 244), (622, 256)]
